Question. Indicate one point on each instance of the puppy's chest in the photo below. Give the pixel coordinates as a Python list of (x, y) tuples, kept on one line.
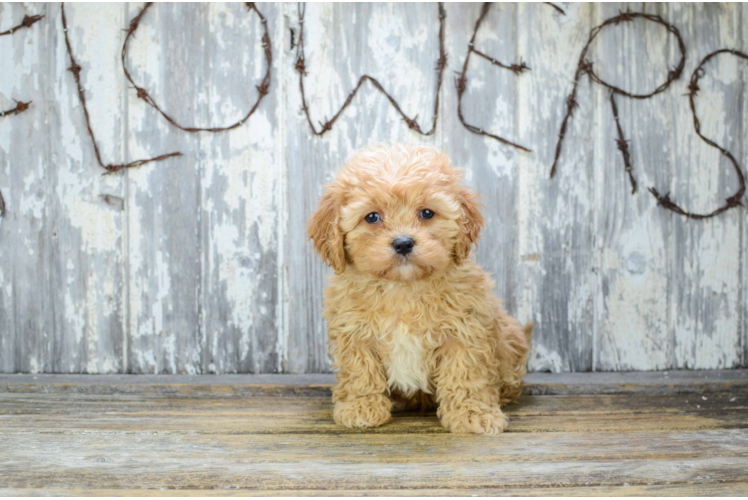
[(405, 354)]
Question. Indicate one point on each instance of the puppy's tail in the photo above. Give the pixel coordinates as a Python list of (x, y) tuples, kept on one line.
[(527, 329)]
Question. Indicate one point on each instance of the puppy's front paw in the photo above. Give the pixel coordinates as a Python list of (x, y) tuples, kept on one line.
[(367, 411), (476, 420)]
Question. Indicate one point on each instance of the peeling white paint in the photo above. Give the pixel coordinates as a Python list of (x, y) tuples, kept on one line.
[(542, 359), (208, 268)]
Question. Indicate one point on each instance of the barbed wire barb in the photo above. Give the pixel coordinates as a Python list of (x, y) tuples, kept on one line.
[(21, 106), (28, 21), (300, 67), (623, 144), (461, 82), (732, 201), (75, 69), (262, 89)]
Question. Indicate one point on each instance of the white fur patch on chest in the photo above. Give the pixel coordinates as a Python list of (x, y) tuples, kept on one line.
[(406, 362)]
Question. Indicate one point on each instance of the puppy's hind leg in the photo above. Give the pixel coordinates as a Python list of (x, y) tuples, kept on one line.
[(515, 345)]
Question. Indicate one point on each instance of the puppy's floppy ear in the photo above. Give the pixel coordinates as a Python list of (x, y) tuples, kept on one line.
[(323, 230), (471, 224)]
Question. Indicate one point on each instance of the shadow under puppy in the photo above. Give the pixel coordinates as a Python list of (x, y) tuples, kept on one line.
[(412, 319)]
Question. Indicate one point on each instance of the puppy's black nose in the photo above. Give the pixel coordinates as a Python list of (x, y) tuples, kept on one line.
[(403, 245)]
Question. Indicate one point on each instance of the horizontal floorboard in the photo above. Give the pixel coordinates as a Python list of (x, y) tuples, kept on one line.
[(188, 436), (281, 415), (662, 382)]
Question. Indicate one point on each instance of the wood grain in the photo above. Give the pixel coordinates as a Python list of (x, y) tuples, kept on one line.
[(85, 208), (743, 220), (240, 196), (153, 439), (706, 315), (163, 199), (535, 384), (25, 236), (200, 264), (399, 45), (632, 233), (313, 414), (666, 490), (558, 261), (489, 102)]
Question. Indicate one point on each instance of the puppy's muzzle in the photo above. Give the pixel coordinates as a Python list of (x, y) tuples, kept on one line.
[(403, 245)]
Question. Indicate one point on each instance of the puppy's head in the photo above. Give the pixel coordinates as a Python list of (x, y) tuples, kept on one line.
[(396, 213)]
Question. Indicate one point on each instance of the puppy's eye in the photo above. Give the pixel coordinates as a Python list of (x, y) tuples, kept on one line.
[(426, 214), (372, 218)]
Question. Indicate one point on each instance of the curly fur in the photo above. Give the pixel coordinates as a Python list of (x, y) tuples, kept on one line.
[(421, 330)]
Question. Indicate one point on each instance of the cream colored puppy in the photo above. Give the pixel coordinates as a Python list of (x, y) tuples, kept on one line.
[(412, 319)]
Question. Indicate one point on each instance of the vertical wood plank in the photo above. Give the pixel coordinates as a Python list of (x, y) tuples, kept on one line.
[(556, 235), (84, 207), (200, 263), (489, 102), (25, 302), (706, 281), (240, 186), (634, 233), (744, 219), (395, 43), (164, 232)]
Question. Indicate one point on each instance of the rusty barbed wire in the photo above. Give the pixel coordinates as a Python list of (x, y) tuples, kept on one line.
[(27, 22), (623, 144), (558, 9), (21, 106), (263, 88), (586, 67), (732, 201), (75, 69), (300, 66), (461, 81)]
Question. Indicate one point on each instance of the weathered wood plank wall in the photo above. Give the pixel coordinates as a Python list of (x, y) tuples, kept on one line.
[(199, 264)]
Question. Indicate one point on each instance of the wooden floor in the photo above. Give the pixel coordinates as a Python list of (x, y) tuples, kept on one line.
[(581, 434)]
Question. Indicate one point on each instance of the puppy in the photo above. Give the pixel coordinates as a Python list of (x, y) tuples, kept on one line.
[(412, 319)]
